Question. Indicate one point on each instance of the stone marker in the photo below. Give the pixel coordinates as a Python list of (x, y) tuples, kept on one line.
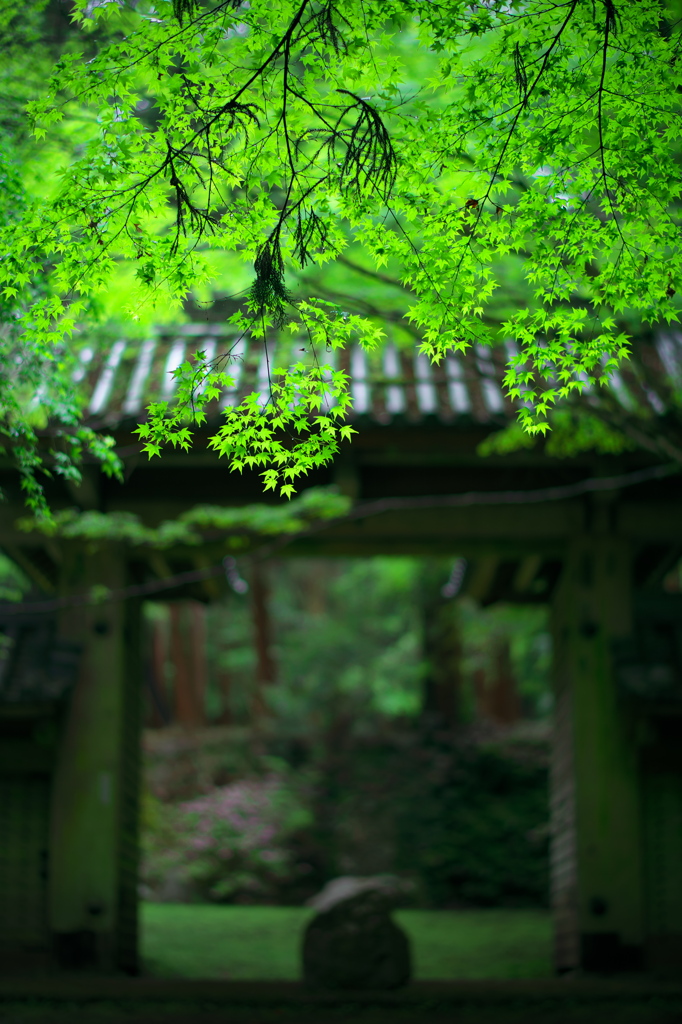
[(352, 943)]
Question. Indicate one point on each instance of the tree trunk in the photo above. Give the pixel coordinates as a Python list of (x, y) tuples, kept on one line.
[(442, 652), (497, 698), (266, 672), (188, 655), (157, 661)]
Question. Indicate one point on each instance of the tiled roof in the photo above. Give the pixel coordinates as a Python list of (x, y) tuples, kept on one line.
[(386, 386)]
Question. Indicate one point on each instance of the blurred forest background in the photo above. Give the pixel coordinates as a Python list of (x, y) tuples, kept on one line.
[(336, 717)]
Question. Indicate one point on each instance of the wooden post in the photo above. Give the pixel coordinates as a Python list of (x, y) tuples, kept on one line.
[(597, 893), (650, 670), (93, 847)]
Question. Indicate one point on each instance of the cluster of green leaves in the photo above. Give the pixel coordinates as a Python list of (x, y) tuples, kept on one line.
[(13, 582), (40, 411), (573, 431), (445, 138), (297, 426), (239, 527)]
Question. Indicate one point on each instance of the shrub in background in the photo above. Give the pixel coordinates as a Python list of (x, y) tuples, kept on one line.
[(463, 817), (240, 842), (474, 828)]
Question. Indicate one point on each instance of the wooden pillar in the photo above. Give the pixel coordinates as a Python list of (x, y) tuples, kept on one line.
[(597, 874), (93, 841), (651, 672), (662, 799)]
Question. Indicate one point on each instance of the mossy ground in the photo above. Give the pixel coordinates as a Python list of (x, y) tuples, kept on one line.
[(243, 943)]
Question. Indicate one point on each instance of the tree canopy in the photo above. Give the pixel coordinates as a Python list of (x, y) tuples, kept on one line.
[(458, 146)]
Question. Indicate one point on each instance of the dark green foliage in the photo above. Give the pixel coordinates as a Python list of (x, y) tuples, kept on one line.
[(269, 293), (466, 822), (477, 830)]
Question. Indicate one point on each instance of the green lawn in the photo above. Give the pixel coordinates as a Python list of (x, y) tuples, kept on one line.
[(238, 943)]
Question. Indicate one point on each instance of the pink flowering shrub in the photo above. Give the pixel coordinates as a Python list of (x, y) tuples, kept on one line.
[(233, 842)]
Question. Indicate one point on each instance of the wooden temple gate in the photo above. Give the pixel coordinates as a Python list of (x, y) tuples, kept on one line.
[(597, 551)]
